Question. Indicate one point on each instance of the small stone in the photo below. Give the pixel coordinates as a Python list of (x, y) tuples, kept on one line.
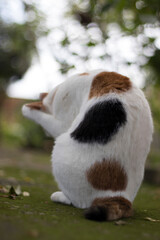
[(26, 194)]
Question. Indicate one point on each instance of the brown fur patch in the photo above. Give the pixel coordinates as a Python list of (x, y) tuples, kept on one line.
[(43, 95), (107, 175), (36, 105), (116, 207), (106, 82), (83, 74)]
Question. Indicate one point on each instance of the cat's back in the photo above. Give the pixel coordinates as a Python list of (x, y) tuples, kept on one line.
[(71, 95), (112, 130)]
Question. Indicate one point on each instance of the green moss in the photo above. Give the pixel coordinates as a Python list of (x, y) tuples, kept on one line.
[(27, 176), (37, 217)]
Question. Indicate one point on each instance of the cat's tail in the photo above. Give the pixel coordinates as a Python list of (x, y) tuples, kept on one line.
[(109, 209)]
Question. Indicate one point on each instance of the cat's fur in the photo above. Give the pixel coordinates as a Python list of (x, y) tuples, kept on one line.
[(103, 129)]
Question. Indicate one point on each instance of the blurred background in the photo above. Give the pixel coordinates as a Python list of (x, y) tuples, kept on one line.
[(43, 42)]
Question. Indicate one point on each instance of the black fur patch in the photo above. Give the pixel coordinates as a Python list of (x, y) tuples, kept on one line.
[(96, 213), (101, 122)]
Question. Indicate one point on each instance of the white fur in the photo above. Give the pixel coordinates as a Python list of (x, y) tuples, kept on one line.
[(71, 159), (60, 197)]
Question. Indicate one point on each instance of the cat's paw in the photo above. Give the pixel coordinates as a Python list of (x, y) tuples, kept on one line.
[(26, 111), (60, 197)]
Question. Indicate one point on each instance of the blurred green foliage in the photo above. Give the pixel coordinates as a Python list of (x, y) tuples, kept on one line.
[(133, 18), (33, 134), (23, 133), (17, 48), (154, 99), (18, 44)]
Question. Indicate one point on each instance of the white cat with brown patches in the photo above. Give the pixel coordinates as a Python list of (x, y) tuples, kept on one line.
[(103, 129)]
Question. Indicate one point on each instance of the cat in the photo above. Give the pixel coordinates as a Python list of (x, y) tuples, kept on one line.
[(103, 128)]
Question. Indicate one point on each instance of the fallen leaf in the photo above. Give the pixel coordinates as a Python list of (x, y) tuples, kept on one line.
[(12, 191), (152, 220), (26, 194), (5, 196), (120, 222), (18, 190)]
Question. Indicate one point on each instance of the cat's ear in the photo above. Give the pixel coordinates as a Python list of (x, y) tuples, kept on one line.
[(101, 122), (42, 95), (36, 106)]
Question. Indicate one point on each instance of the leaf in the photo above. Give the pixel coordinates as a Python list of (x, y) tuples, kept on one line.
[(18, 190), (120, 222), (4, 196), (74, 54), (106, 7), (65, 41), (91, 44), (12, 191), (152, 220)]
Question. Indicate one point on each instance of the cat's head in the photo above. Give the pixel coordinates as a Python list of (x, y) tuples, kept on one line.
[(45, 103)]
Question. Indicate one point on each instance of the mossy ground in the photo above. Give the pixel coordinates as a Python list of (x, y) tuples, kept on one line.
[(37, 217)]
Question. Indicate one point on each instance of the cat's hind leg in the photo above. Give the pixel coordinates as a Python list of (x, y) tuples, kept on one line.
[(60, 197)]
